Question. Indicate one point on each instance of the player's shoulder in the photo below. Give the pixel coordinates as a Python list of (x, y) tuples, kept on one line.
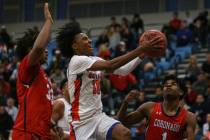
[(147, 107), (190, 117)]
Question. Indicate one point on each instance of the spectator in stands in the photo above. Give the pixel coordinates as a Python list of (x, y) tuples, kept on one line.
[(192, 69), (114, 23), (103, 38), (125, 22), (5, 87), (201, 84), (107, 100), (6, 123), (158, 94), (58, 61), (206, 64), (123, 83), (104, 52), (191, 95), (188, 18), (206, 126), (128, 38), (56, 89), (175, 23), (11, 108), (58, 76), (184, 34), (199, 108), (114, 37), (137, 25), (141, 99), (5, 36), (121, 49), (120, 86), (201, 22)]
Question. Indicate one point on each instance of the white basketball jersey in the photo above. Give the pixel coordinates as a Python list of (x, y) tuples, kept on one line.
[(64, 122), (84, 88)]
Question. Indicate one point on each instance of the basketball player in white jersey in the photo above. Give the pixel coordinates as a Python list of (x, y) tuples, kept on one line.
[(61, 112), (84, 74)]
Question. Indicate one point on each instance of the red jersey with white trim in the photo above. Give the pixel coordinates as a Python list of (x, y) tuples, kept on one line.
[(33, 83), (84, 88), (163, 127)]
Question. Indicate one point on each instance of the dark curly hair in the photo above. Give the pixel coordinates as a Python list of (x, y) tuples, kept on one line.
[(65, 38), (25, 43), (180, 83)]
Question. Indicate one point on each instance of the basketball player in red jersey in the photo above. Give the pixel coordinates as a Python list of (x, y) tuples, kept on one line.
[(33, 87), (166, 120)]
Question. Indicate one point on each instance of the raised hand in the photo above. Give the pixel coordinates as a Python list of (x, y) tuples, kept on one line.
[(47, 13), (132, 95)]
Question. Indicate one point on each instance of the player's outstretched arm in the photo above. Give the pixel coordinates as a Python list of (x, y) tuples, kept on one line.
[(112, 65), (42, 39), (191, 125), (136, 116)]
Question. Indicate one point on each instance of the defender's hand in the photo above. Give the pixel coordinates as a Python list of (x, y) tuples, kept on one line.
[(47, 13)]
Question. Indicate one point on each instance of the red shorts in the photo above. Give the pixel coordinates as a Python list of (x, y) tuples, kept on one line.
[(21, 135)]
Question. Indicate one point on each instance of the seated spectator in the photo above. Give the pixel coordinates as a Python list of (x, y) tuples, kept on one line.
[(11, 108), (193, 69), (159, 94), (114, 37), (120, 49), (5, 87), (191, 95), (58, 76), (188, 18), (128, 38), (6, 123), (104, 52), (175, 23), (103, 38), (122, 83), (206, 126), (137, 25), (199, 108), (184, 35), (201, 84)]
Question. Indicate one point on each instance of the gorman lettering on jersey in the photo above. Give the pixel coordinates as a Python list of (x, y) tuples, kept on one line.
[(95, 75), (167, 125)]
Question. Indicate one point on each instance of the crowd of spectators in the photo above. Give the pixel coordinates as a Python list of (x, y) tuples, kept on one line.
[(115, 40)]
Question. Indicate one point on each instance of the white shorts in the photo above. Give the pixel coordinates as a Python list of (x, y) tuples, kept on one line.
[(95, 128)]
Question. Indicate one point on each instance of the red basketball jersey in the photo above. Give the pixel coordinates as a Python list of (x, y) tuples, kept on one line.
[(163, 127), (33, 84)]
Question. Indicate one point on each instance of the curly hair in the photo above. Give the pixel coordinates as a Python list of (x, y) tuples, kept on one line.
[(65, 38), (180, 83), (25, 43)]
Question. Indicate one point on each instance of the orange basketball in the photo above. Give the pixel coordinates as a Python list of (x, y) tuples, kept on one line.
[(149, 35)]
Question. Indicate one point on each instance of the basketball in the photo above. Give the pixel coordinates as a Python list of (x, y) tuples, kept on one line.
[(149, 35)]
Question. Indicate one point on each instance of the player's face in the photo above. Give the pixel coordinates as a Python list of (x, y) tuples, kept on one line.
[(171, 89), (83, 44), (44, 56)]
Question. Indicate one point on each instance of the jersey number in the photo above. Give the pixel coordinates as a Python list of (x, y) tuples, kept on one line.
[(164, 135), (96, 87)]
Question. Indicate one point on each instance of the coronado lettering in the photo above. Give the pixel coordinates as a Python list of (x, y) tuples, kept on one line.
[(166, 125)]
